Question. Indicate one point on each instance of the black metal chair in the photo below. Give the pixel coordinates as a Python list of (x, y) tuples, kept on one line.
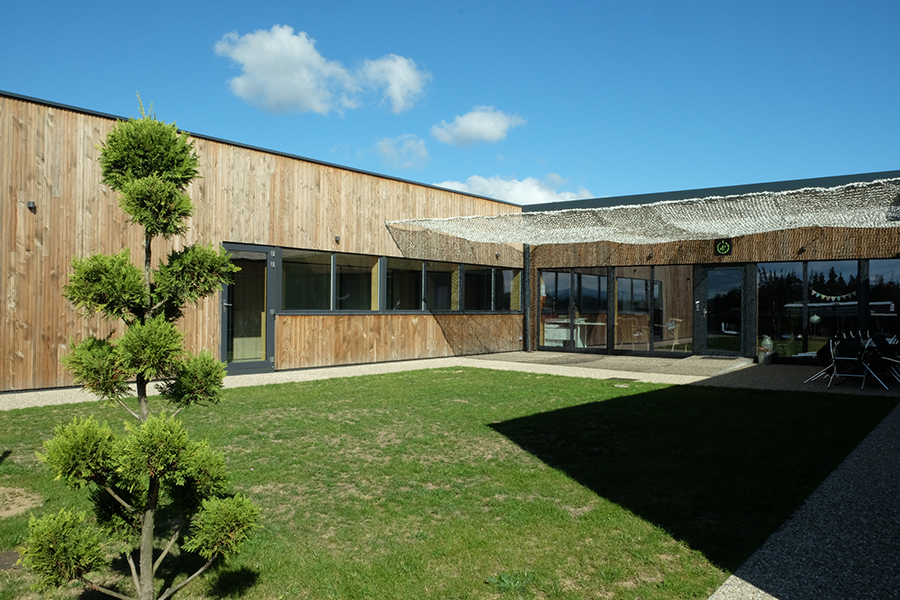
[(888, 354), (847, 355), (825, 355)]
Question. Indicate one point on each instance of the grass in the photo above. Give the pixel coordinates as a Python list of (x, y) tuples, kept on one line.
[(478, 484)]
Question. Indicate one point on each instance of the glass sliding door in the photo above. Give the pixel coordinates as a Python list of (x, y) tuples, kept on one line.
[(555, 328), (590, 307), (634, 325), (673, 319)]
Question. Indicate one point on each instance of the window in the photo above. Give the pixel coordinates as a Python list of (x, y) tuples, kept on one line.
[(477, 288), (826, 290), (673, 308), (356, 282), (556, 327), (507, 289), (441, 286), (884, 295), (404, 284), (314, 280), (306, 280)]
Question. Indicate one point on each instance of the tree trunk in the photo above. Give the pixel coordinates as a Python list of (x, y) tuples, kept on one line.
[(142, 397), (141, 380), (148, 590)]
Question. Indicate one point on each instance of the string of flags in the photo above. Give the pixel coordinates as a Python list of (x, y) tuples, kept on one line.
[(832, 298)]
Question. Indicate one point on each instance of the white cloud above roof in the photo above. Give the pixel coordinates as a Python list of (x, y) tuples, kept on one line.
[(400, 79), (404, 152), (481, 124), (284, 72), (526, 191)]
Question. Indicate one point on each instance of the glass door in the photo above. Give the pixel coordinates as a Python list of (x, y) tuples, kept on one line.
[(248, 312), (723, 310)]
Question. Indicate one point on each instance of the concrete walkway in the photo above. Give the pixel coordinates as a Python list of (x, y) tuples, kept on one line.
[(842, 544)]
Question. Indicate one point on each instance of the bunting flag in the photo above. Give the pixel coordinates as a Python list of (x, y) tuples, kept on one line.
[(832, 298)]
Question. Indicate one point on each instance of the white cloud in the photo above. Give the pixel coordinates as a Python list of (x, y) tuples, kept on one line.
[(526, 191), (283, 72), (403, 83), (405, 152), (482, 124)]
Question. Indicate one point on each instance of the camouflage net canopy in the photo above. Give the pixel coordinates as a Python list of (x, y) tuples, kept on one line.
[(870, 204)]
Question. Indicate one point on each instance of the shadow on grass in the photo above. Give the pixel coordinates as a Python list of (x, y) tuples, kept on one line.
[(233, 583), (720, 469), (224, 582)]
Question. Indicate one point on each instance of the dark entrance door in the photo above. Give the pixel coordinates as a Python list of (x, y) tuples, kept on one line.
[(725, 310), (248, 316)]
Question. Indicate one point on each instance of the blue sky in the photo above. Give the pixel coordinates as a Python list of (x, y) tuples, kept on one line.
[(523, 101)]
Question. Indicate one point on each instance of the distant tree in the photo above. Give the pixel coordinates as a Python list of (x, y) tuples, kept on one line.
[(152, 488)]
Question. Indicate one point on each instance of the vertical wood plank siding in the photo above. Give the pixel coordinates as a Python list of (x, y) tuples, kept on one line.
[(49, 155), (319, 340)]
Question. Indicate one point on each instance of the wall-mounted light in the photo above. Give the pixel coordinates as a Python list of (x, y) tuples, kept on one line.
[(801, 250), (32, 206), (337, 239), (497, 256)]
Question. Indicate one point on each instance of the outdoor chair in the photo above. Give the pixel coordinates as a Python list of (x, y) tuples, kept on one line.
[(847, 362), (825, 355), (854, 358), (887, 352)]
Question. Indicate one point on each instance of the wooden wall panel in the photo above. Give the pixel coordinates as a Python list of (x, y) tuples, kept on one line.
[(49, 155), (810, 243), (305, 341)]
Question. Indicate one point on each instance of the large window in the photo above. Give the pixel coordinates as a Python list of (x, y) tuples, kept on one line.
[(651, 308), (673, 308), (590, 304), (780, 306), (634, 323), (802, 305), (441, 286), (884, 295), (313, 280), (404, 284), (356, 278), (478, 288), (306, 280), (573, 308), (555, 329), (507, 289)]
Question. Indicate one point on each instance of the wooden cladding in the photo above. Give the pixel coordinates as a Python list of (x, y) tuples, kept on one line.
[(48, 155), (810, 243), (320, 340)]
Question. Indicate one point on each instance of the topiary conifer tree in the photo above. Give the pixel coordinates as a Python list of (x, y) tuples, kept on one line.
[(152, 488)]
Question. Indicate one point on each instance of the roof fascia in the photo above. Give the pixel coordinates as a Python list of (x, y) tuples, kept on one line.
[(734, 190)]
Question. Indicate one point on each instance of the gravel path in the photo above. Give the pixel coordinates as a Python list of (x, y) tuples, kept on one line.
[(844, 542)]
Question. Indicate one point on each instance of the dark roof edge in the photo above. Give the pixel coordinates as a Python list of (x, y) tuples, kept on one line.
[(733, 190), (94, 113)]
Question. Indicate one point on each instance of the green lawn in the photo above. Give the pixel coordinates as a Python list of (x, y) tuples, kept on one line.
[(469, 483)]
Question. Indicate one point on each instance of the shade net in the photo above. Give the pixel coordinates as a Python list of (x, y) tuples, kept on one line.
[(873, 204)]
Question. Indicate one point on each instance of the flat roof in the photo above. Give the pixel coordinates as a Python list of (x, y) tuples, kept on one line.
[(732, 190)]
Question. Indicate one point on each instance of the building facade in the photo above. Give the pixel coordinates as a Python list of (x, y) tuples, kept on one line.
[(340, 266), (322, 282)]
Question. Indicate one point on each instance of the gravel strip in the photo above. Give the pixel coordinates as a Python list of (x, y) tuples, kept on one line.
[(844, 542)]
